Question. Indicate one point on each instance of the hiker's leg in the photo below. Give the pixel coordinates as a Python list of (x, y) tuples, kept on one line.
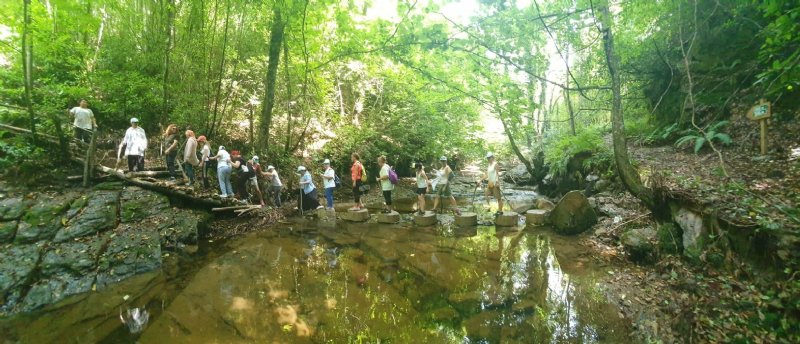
[(499, 196), (329, 197)]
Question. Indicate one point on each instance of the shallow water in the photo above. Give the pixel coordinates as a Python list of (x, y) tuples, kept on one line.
[(308, 281)]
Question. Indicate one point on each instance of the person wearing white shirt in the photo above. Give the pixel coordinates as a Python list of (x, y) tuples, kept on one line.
[(272, 174), (493, 187), (223, 159), (328, 181), (205, 153), (386, 184), (84, 123), (135, 143)]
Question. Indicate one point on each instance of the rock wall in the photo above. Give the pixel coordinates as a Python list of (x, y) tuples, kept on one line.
[(57, 244)]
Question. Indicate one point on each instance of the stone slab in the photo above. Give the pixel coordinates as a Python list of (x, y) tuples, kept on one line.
[(466, 219), (535, 217), (355, 215), (507, 219), (427, 219), (392, 217)]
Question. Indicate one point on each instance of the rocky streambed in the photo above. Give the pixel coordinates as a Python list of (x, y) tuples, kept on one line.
[(58, 243)]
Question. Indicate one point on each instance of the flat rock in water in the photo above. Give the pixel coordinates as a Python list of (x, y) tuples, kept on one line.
[(427, 219), (466, 219), (392, 217), (535, 217), (507, 219), (16, 265), (573, 214), (100, 214), (544, 204), (119, 261), (356, 215)]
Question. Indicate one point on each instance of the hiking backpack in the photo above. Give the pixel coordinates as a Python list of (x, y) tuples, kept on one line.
[(392, 176)]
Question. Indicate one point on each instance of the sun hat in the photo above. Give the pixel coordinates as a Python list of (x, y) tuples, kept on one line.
[(255, 158), (201, 138), (326, 162), (489, 155), (134, 120), (270, 167), (443, 158)]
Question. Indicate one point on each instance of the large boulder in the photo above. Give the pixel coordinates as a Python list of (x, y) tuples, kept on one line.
[(137, 204), (573, 214), (132, 250), (641, 244), (13, 208), (16, 266), (517, 174), (100, 214), (695, 232), (43, 220), (180, 227)]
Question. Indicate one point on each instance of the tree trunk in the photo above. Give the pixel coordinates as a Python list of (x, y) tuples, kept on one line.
[(170, 34), (568, 99), (288, 98), (628, 174), (221, 69), (27, 56), (275, 40), (88, 163)]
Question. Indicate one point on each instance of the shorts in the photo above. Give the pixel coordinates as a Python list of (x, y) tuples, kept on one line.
[(444, 191), (422, 191)]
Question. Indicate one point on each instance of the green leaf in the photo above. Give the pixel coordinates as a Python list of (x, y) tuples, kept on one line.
[(699, 144)]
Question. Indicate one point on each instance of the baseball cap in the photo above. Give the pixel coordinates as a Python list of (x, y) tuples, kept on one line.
[(221, 148), (270, 167), (236, 152), (134, 120), (326, 162), (301, 168), (443, 158), (489, 155), (255, 157)]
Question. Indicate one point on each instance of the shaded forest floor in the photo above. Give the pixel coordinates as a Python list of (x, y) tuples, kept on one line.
[(744, 299)]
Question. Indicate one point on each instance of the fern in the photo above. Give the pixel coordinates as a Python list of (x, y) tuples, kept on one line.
[(712, 134)]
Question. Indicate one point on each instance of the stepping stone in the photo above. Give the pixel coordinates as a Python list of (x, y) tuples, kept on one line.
[(356, 215), (536, 217), (427, 219), (393, 217), (325, 214), (508, 219), (466, 219)]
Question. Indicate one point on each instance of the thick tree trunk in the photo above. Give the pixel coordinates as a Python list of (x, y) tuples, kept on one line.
[(27, 56), (170, 34), (88, 164), (275, 40), (289, 113), (221, 69), (628, 174)]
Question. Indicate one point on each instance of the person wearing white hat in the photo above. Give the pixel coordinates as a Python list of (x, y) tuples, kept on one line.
[(446, 176), (135, 143), (328, 181), (308, 192), (275, 190), (493, 186)]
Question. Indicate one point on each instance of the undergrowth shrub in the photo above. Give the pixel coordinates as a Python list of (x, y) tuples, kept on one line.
[(559, 150)]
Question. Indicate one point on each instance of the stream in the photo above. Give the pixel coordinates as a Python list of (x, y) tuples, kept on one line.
[(309, 281)]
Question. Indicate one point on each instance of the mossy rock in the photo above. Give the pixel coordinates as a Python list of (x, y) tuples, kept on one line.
[(573, 214), (137, 204), (7, 231), (13, 208), (43, 220), (640, 243), (99, 215), (132, 250), (17, 263), (669, 238)]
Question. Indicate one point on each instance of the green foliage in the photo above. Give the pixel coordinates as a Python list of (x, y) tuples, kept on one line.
[(559, 150), (20, 161), (780, 51), (710, 134)]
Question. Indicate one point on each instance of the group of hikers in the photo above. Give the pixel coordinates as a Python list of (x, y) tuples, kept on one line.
[(249, 171)]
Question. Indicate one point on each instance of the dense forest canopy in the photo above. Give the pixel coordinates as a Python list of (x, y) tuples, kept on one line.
[(411, 79)]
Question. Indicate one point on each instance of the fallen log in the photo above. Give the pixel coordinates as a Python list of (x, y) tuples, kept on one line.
[(154, 174), (235, 207)]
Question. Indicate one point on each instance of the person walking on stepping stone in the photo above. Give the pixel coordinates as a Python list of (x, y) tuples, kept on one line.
[(386, 184), (446, 176), (493, 186), (329, 182), (357, 174), (423, 184)]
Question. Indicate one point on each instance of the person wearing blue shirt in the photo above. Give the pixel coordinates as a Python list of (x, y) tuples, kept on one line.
[(308, 200)]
